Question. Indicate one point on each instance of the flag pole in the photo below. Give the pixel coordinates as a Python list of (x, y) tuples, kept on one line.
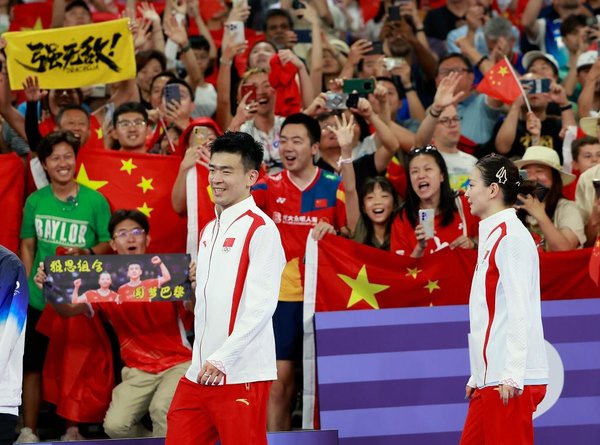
[(512, 70)]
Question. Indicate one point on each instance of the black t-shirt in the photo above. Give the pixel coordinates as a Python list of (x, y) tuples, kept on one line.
[(551, 127), (364, 168), (439, 22)]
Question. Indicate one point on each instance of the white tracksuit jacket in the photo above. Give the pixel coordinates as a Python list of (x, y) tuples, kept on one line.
[(240, 261), (506, 343)]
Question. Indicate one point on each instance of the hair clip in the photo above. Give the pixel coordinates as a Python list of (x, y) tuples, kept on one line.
[(501, 175)]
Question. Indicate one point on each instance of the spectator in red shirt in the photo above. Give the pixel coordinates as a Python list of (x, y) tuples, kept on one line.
[(155, 353), (429, 188)]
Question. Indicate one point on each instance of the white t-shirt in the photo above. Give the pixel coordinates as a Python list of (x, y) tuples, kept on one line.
[(459, 166)]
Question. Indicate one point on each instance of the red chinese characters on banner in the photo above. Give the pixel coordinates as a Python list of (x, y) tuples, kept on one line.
[(142, 182)]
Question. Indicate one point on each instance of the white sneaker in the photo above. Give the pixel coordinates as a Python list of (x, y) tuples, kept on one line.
[(72, 434), (27, 436)]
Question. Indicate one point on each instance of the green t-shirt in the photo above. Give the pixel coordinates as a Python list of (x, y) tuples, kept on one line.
[(51, 222)]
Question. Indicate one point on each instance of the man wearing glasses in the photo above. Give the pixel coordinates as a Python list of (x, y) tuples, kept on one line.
[(479, 113), (155, 353), (130, 127), (446, 136)]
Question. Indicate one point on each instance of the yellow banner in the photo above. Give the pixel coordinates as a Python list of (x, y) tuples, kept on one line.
[(71, 57)]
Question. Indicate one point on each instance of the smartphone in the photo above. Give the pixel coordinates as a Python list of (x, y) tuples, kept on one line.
[(597, 187), (535, 86), (304, 35), (540, 192), (360, 86), (249, 88), (376, 49), (336, 101), (426, 219), (352, 101), (236, 33), (533, 188), (393, 62), (172, 93), (199, 136), (394, 13)]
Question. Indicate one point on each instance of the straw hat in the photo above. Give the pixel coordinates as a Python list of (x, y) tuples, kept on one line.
[(545, 156), (589, 125)]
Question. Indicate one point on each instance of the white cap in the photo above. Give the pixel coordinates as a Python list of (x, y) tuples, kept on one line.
[(532, 56), (587, 58)]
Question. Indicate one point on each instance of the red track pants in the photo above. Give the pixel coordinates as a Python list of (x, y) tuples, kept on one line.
[(489, 422), (234, 414)]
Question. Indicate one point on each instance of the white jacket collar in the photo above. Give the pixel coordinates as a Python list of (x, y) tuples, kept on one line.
[(230, 214), (491, 222)]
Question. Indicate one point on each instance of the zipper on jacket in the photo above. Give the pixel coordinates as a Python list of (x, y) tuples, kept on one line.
[(212, 248)]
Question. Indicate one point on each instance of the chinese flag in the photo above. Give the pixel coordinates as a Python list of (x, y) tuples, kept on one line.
[(594, 265), (12, 189), (369, 9), (31, 16), (351, 276), (500, 83), (142, 182)]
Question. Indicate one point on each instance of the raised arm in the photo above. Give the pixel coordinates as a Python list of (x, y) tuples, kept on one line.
[(444, 97), (165, 275)]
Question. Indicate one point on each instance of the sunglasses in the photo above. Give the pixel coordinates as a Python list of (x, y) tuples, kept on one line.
[(422, 150)]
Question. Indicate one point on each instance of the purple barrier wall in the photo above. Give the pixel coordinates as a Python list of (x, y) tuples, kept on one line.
[(397, 376), (325, 437)]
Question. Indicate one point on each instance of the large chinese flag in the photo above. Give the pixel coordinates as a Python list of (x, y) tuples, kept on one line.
[(31, 16), (142, 182), (12, 187), (350, 275), (344, 275), (501, 83)]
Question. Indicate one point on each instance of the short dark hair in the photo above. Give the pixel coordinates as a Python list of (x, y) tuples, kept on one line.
[(238, 142), (143, 57), (277, 13), (581, 142), (69, 107), (178, 81), (490, 165), (129, 107), (199, 42), (122, 214), (47, 144), (462, 57), (312, 126), (572, 23), (78, 4)]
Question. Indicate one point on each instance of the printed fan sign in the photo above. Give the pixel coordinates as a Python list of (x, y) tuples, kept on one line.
[(71, 57), (117, 278)]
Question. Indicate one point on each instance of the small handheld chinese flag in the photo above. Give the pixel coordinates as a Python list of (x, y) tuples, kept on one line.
[(595, 262), (501, 83)]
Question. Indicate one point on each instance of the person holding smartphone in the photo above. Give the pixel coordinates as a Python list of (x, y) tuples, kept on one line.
[(429, 188), (509, 368), (552, 219)]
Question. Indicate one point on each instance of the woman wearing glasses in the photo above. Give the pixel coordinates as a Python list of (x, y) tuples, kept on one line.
[(509, 369), (429, 188)]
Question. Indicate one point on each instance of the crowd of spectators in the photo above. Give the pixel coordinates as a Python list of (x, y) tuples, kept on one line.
[(356, 162)]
